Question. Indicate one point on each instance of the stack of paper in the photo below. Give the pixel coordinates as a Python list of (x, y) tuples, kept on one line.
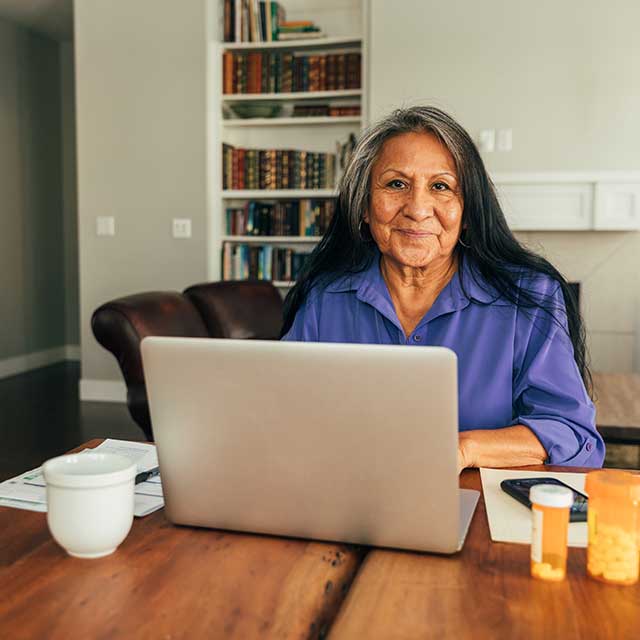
[(28, 491), (510, 521)]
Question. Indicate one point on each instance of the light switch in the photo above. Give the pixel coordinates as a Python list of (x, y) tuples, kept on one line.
[(182, 227), (505, 139), (105, 226), (487, 140)]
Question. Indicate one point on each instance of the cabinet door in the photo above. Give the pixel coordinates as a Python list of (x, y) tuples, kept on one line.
[(548, 207), (617, 206)]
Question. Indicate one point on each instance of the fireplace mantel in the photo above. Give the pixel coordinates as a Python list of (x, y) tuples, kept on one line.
[(570, 201)]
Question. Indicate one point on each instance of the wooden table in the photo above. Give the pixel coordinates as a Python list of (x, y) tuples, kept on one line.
[(181, 582), (483, 592), (617, 400), (169, 582)]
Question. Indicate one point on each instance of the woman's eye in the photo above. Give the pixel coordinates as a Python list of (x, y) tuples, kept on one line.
[(396, 184), (440, 186)]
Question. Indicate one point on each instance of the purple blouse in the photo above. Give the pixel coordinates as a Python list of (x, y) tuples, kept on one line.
[(515, 365)]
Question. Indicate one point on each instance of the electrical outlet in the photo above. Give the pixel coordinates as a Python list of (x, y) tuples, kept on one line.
[(105, 226), (505, 139), (487, 140), (182, 227)]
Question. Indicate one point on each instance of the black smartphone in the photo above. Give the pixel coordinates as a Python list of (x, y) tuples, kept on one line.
[(519, 489)]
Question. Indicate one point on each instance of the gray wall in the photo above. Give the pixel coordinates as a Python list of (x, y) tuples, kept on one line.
[(141, 131), (564, 77), (32, 313), (69, 193)]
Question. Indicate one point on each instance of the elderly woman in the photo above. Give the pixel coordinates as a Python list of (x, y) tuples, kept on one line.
[(419, 253)]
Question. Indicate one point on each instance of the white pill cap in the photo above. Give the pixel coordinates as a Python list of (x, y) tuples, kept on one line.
[(551, 495)]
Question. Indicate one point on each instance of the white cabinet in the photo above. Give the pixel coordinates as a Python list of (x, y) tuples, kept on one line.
[(617, 206), (570, 201), (547, 207)]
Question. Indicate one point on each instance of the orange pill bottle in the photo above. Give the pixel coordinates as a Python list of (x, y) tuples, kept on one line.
[(550, 506), (613, 518)]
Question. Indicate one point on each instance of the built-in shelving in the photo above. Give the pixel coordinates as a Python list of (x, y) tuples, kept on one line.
[(272, 239), (296, 95), (301, 121), (321, 134), (311, 43), (276, 194)]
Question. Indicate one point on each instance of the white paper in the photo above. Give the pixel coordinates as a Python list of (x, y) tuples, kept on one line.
[(24, 492), (20, 504), (149, 488), (144, 505), (142, 453), (28, 490), (510, 521)]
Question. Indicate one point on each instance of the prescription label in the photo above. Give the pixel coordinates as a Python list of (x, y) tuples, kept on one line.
[(536, 535)]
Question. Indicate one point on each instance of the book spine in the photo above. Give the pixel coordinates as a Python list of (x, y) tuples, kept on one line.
[(246, 33), (268, 20), (227, 72), (227, 21)]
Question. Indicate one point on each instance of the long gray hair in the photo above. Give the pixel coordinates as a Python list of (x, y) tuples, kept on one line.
[(488, 242)]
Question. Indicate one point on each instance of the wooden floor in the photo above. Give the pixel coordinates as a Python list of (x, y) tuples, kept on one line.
[(41, 416)]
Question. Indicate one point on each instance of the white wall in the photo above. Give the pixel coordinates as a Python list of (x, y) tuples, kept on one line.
[(564, 77), (141, 129)]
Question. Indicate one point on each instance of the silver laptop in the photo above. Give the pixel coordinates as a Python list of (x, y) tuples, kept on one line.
[(354, 443)]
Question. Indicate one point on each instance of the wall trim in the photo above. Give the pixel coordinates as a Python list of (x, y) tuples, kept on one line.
[(28, 361), (550, 177), (73, 352), (103, 390)]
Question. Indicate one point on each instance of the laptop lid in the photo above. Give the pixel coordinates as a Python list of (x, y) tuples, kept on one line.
[(356, 443)]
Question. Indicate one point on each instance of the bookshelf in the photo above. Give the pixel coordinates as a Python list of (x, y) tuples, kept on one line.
[(302, 95), (327, 126), (279, 122), (320, 44)]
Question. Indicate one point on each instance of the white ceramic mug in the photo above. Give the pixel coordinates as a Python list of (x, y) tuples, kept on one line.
[(89, 501)]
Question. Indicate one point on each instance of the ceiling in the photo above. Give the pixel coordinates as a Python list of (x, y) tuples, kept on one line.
[(51, 17)]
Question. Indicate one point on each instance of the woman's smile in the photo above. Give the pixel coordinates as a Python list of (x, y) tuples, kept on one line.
[(415, 234)]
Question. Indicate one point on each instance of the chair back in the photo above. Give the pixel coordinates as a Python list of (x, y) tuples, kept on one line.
[(239, 309)]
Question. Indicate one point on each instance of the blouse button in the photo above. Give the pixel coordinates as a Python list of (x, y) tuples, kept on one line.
[(589, 446), (417, 338)]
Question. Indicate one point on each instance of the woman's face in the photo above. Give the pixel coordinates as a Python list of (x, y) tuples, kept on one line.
[(415, 210)]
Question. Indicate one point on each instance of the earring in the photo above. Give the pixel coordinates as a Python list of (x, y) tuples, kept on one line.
[(361, 231), (466, 246)]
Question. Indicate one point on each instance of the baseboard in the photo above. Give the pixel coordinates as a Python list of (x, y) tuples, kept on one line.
[(73, 352), (103, 390), (26, 362)]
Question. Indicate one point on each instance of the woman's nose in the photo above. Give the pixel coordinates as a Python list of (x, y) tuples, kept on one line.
[(420, 204)]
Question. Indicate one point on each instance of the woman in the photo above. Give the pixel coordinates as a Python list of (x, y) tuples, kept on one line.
[(419, 253)]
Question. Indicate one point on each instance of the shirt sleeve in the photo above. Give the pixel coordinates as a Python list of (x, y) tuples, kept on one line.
[(549, 395), (305, 323)]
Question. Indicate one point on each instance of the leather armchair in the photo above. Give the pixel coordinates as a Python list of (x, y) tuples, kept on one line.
[(245, 309)]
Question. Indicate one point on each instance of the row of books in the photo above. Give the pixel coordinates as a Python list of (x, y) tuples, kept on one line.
[(286, 218), (276, 169), (333, 110), (246, 262), (286, 72), (252, 20)]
